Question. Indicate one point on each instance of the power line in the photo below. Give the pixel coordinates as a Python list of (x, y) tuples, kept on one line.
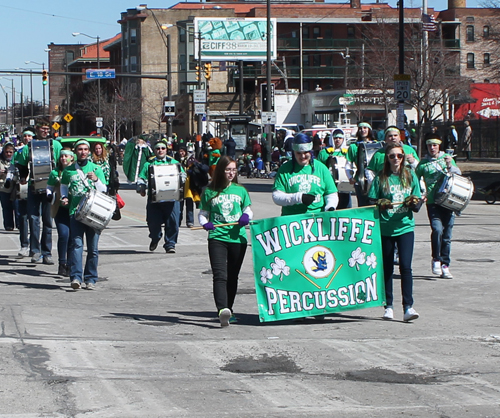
[(56, 16)]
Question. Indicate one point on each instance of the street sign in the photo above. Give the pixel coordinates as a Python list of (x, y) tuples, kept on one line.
[(263, 98), (68, 118), (55, 126), (268, 118), (346, 101), (168, 108), (199, 96), (32, 122), (199, 108), (402, 87), (100, 73), (99, 122)]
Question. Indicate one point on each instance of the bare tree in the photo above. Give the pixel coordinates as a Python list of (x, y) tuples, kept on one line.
[(152, 107)]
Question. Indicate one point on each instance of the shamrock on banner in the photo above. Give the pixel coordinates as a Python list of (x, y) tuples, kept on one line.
[(314, 264)]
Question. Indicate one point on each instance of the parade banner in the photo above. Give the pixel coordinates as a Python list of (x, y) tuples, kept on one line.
[(317, 263)]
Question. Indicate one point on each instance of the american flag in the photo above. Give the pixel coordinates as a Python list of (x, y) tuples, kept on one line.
[(428, 23)]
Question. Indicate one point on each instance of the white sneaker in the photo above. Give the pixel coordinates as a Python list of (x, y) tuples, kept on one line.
[(24, 252), (436, 267), (446, 272), (410, 315), (388, 314), (224, 315)]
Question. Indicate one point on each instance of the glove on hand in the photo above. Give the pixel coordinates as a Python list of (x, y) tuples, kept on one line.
[(413, 202), (307, 198), (209, 226), (384, 204), (244, 219), (331, 209), (141, 188)]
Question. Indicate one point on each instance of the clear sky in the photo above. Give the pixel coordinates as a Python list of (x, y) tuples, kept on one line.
[(28, 26)]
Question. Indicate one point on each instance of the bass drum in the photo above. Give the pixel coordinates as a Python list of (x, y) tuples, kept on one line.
[(165, 183), (365, 154), (21, 191), (455, 192), (95, 210), (336, 165)]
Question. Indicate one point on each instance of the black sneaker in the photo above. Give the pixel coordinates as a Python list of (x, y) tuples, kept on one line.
[(153, 245)]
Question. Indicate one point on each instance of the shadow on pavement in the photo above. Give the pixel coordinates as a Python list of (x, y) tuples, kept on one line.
[(34, 285)]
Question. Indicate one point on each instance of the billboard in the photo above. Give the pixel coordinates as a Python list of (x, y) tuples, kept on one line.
[(234, 39)]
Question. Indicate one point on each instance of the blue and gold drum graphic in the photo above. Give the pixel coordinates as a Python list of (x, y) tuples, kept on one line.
[(319, 262)]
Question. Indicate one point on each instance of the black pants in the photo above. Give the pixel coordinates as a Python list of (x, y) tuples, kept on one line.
[(226, 259)]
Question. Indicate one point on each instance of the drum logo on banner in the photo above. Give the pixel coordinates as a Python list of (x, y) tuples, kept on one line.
[(314, 264)]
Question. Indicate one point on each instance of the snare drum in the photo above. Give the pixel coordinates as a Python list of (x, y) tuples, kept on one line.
[(95, 210), (41, 164), (165, 183), (366, 150), (21, 191), (336, 165), (455, 192)]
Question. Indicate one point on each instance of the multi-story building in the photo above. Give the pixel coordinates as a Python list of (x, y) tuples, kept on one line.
[(325, 51)]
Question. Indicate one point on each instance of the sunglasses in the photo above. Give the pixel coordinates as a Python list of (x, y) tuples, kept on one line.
[(231, 170), (399, 156), (161, 147)]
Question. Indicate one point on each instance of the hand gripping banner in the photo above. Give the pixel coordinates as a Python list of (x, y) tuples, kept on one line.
[(315, 264)]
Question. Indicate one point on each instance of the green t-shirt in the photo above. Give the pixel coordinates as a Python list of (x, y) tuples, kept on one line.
[(227, 207), (105, 167), (326, 153), (377, 162), (77, 188), (302, 179), (399, 220), (54, 178), (433, 170)]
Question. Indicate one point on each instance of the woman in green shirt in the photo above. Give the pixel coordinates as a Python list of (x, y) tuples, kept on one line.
[(224, 201), (396, 192)]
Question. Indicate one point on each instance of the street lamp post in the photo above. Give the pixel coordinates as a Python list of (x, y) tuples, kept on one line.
[(6, 106), (169, 76), (13, 101), (43, 86), (98, 67)]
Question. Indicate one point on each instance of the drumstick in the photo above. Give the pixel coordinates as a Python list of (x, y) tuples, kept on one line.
[(216, 226), (307, 278)]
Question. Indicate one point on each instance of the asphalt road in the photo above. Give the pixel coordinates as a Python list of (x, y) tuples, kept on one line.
[(146, 342)]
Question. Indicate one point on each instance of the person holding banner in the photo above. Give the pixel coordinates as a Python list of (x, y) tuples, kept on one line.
[(433, 169), (300, 185), (396, 191), (224, 211)]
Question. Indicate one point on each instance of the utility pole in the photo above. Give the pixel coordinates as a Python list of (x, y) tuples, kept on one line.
[(200, 116), (269, 127), (169, 85)]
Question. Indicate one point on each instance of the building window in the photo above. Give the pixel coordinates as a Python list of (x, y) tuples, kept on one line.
[(182, 35), (125, 64), (328, 33), (486, 32), (133, 64), (305, 32), (133, 36), (316, 32), (470, 33), (470, 60), (486, 60), (350, 32), (294, 34)]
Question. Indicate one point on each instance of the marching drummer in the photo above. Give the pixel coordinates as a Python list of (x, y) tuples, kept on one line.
[(433, 168), (337, 148), (158, 213), (392, 136), (77, 179), (363, 136), (38, 204)]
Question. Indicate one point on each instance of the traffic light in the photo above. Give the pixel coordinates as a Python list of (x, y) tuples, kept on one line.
[(45, 77), (197, 73), (208, 71)]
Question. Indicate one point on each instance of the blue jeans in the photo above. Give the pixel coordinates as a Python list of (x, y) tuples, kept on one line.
[(442, 221), (189, 211), (226, 259), (38, 205), (405, 246), (22, 215), (76, 271), (7, 210), (161, 213), (62, 225)]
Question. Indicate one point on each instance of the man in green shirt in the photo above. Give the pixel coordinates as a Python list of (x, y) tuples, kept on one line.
[(38, 205), (76, 181)]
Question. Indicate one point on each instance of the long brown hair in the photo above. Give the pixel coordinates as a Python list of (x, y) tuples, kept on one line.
[(102, 157), (405, 176), (219, 181)]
